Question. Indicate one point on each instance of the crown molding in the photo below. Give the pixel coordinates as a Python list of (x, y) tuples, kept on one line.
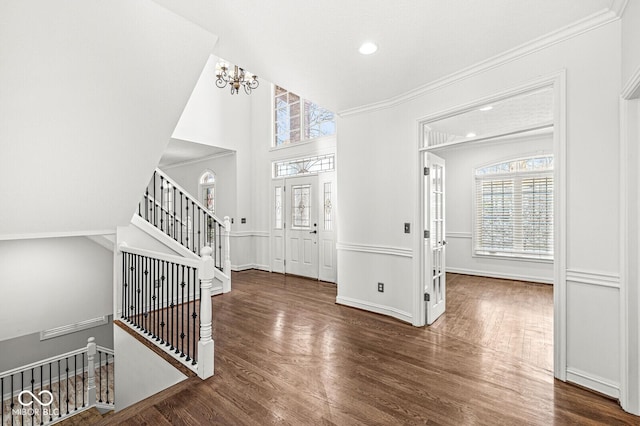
[(574, 29)]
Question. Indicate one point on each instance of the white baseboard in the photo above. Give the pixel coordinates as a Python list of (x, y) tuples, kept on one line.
[(247, 266), (515, 277), (374, 307), (594, 382)]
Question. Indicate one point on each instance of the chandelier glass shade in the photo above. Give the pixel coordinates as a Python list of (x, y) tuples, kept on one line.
[(235, 77)]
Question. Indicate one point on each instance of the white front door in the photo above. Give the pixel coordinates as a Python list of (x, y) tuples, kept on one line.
[(301, 226), (434, 275)]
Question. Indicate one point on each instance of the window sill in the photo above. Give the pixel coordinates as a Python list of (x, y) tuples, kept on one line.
[(303, 143), (516, 257)]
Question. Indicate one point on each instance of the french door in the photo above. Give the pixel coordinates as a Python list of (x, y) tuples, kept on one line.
[(434, 251)]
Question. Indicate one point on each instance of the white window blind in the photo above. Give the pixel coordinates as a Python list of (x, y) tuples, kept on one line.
[(514, 209)]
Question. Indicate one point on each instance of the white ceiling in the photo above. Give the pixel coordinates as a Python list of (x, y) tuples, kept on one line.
[(527, 111), (311, 47)]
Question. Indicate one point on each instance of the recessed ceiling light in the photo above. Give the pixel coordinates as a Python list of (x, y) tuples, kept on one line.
[(368, 48), (486, 108), (471, 135)]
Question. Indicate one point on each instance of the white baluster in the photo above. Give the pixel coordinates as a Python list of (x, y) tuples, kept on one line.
[(226, 286), (206, 345), (91, 382)]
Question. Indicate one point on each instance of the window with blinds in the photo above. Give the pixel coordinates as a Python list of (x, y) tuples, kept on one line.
[(514, 209)]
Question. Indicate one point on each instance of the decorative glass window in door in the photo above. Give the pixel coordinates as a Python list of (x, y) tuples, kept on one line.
[(301, 213), (278, 207), (328, 224)]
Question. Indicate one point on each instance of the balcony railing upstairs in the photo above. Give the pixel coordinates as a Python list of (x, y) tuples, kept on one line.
[(50, 390), (179, 215), (167, 299)]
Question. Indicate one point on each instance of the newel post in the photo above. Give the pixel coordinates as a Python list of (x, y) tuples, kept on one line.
[(205, 345), (226, 285), (91, 372)]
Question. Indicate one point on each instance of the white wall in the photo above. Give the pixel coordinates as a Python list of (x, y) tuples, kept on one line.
[(378, 178), (91, 93), (212, 115), (461, 162), (139, 372), (52, 282)]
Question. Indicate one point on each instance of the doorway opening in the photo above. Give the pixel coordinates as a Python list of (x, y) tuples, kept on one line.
[(303, 218), (497, 208)]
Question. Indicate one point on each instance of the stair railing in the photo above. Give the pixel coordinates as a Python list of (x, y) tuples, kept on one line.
[(162, 296), (52, 389), (176, 213)]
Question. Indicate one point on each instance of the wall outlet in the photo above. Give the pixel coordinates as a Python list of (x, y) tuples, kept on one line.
[(243, 220), (381, 287)]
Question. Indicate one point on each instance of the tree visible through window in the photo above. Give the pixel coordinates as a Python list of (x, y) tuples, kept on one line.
[(514, 208), (298, 119)]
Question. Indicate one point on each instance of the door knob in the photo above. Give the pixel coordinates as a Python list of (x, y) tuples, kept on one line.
[(313, 232)]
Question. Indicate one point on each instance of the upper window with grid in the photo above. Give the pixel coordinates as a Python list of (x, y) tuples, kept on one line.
[(298, 119)]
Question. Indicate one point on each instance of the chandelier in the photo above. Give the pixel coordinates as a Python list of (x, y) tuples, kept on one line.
[(235, 77)]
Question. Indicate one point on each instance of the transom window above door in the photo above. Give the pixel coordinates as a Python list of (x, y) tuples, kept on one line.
[(298, 119)]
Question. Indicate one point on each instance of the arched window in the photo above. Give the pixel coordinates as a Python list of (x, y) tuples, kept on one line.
[(208, 189), (514, 208)]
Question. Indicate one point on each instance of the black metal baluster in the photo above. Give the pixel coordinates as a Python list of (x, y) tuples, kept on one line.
[(154, 298), (182, 284), (199, 240), (59, 392), (12, 403), (194, 315), (145, 295), (220, 247), (181, 220), (188, 358), (100, 371), (193, 228), (162, 311), (155, 201), (83, 388), (162, 203), (21, 389), (75, 382), (67, 370), (123, 294), (172, 282), (2, 393), (33, 413), (41, 389), (51, 390), (147, 205), (140, 262), (175, 235), (187, 224), (107, 367)]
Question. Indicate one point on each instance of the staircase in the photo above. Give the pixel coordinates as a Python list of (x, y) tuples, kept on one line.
[(176, 217), (163, 291), (57, 388)]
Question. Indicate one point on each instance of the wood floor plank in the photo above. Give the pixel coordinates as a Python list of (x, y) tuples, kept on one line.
[(287, 354)]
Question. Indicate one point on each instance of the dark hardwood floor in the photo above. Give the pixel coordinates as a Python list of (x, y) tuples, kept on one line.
[(286, 353)]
